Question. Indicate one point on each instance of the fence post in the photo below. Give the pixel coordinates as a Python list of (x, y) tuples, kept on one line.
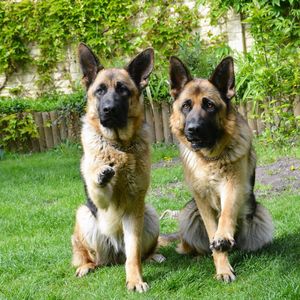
[(55, 131), (251, 121), (158, 123), (166, 123), (39, 123), (47, 130), (149, 120)]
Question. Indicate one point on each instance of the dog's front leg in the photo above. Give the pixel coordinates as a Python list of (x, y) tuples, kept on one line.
[(133, 226), (232, 198), (224, 271)]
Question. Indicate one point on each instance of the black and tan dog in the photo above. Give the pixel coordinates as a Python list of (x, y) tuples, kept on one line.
[(115, 226), (219, 165)]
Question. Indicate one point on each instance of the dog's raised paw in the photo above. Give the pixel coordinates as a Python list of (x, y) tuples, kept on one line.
[(139, 286), (105, 176), (222, 244)]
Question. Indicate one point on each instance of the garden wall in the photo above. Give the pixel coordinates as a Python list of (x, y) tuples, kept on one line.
[(67, 74)]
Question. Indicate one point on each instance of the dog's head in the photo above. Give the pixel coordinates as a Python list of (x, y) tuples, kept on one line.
[(114, 94), (201, 105)]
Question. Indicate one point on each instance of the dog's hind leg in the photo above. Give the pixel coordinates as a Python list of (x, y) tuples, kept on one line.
[(82, 257), (150, 239), (255, 231), (192, 231)]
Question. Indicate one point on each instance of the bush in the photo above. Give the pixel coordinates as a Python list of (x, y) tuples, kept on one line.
[(17, 126), (56, 101)]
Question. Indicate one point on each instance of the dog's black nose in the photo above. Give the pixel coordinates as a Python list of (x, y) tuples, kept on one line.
[(108, 108), (193, 128)]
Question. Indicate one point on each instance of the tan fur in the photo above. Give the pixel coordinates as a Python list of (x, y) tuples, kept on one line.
[(124, 229), (219, 179)]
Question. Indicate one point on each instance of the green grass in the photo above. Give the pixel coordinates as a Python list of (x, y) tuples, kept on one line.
[(39, 195)]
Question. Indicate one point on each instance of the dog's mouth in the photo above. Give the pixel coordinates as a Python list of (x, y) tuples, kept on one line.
[(199, 143), (113, 122)]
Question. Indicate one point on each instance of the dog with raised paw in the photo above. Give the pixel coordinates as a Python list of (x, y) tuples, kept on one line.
[(115, 226), (219, 165)]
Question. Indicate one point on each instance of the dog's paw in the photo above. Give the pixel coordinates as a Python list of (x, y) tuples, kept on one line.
[(83, 270), (138, 286), (226, 277), (105, 176), (157, 257), (222, 244)]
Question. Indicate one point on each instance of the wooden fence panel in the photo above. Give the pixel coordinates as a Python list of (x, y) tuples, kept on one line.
[(251, 121), (158, 123), (63, 129), (166, 123), (39, 123), (150, 122), (47, 130), (54, 127)]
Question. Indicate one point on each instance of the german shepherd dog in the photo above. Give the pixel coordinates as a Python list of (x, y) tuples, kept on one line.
[(219, 165), (115, 226)]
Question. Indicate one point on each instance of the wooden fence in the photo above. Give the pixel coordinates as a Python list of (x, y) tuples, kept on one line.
[(54, 128)]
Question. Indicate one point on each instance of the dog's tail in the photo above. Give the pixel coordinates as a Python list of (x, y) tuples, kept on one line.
[(166, 239), (256, 232)]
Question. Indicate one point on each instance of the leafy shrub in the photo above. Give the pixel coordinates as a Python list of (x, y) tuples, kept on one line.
[(62, 102), (202, 58), (16, 130), (17, 125)]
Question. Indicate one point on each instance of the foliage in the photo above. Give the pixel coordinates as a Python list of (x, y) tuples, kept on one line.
[(200, 57), (112, 28), (16, 129), (56, 101), (17, 125), (268, 76)]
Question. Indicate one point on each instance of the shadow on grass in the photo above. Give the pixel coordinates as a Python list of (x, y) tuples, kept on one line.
[(284, 252)]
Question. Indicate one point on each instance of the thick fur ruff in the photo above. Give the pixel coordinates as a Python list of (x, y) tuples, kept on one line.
[(253, 233), (103, 249)]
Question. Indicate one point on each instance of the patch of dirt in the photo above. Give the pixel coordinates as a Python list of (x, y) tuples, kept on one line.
[(166, 163), (282, 175)]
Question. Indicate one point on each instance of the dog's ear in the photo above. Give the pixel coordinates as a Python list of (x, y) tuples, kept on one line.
[(89, 64), (223, 78), (141, 67), (179, 76)]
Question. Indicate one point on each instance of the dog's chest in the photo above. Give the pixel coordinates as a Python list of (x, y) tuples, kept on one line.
[(205, 179)]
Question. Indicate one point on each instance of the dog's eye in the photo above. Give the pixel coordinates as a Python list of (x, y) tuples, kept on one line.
[(101, 90), (122, 89), (208, 105), (187, 105)]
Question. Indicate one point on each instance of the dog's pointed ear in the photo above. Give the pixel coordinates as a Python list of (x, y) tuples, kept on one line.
[(141, 67), (179, 76), (223, 78), (89, 64)]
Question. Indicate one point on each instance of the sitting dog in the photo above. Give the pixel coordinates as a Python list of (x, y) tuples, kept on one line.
[(219, 165), (115, 226)]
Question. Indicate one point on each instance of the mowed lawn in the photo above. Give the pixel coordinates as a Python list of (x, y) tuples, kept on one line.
[(39, 195)]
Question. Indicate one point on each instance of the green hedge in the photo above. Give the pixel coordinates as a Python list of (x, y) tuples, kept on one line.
[(61, 102)]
